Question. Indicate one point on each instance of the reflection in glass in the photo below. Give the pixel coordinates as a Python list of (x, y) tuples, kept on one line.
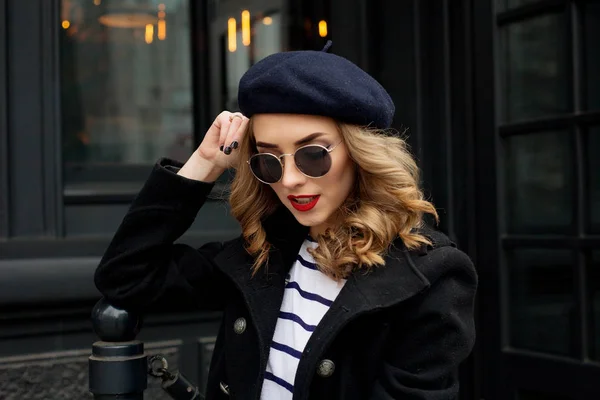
[(593, 148), (503, 5), (593, 280), (534, 64), (539, 183), (265, 38), (236, 63), (592, 53), (126, 84), (540, 296)]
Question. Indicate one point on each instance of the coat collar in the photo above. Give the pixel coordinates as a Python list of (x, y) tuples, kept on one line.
[(263, 293), (363, 292), (379, 288)]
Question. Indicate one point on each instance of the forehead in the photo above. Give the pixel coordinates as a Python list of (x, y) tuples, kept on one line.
[(282, 129)]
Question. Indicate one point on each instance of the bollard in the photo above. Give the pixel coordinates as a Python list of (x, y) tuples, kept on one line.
[(118, 366)]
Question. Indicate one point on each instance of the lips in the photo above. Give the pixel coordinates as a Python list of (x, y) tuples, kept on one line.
[(304, 202)]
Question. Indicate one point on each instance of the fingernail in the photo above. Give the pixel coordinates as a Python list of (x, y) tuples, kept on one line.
[(234, 144), (227, 150), (221, 148)]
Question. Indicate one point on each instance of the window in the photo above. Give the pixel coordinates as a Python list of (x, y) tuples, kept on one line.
[(244, 32), (534, 68), (265, 33), (593, 156), (502, 5), (594, 290), (126, 90), (549, 137), (592, 53), (542, 304), (539, 183)]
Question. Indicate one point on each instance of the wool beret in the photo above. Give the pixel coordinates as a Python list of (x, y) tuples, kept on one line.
[(314, 83)]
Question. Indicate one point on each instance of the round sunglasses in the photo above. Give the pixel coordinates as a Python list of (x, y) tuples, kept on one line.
[(312, 160)]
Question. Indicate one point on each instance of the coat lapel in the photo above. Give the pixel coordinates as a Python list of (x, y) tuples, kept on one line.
[(263, 293), (363, 292)]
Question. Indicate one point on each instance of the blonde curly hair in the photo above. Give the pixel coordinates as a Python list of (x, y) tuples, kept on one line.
[(386, 203)]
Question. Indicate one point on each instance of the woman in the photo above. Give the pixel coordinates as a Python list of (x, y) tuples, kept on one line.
[(335, 289)]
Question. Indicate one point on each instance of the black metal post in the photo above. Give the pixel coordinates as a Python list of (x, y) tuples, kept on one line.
[(118, 367)]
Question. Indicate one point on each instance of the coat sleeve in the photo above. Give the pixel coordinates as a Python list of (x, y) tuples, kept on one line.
[(142, 264), (425, 349)]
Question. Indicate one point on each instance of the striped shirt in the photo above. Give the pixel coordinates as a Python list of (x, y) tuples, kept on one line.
[(308, 295)]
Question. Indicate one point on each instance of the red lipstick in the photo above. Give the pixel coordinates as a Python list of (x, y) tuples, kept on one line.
[(302, 205)]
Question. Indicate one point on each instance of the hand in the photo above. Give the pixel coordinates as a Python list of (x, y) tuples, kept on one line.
[(217, 152), (222, 139)]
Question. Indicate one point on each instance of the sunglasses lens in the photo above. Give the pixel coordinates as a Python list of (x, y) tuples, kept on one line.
[(313, 161), (266, 168)]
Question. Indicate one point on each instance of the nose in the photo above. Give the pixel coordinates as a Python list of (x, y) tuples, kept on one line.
[(292, 177)]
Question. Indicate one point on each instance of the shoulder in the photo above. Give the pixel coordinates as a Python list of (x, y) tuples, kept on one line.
[(442, 260), (232, 246)]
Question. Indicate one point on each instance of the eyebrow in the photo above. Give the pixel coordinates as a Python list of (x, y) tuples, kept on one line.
[(307, 139)]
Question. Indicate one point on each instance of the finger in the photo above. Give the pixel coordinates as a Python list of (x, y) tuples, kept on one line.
[(215, 129), (225, 123), (214, 136), (230, 142), (238, 135)]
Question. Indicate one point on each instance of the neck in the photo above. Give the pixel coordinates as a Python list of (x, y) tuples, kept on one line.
[(317, 230), (333, 220)]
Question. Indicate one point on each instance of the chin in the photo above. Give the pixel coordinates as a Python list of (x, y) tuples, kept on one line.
[(307, 220)]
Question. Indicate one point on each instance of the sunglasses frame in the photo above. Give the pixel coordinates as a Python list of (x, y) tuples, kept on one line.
[(280, 159)]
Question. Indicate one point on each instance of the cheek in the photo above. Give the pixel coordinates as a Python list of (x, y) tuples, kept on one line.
[(278, 189), (343, 179)]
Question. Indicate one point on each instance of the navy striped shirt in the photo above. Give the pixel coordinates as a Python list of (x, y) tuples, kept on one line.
[(307, 297)]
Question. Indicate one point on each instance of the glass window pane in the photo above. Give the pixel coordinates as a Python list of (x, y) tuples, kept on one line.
[(539, 183), (265, 33), (502, 5), (126, 85), (534, 68), (592, 53), (241, 33), (267, 36), (540, 296), (593, 148), (593, 280), (236, 63)]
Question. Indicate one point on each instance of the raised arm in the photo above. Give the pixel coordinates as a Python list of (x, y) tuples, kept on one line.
[(142, 263)]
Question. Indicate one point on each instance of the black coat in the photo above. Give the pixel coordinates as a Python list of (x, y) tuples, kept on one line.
[(398, 332)]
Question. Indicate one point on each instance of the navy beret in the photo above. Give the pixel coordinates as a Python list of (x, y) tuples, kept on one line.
[(314, 83)]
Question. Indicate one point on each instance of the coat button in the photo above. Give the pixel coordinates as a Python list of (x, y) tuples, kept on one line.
[(239, 326), (325, 368)]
